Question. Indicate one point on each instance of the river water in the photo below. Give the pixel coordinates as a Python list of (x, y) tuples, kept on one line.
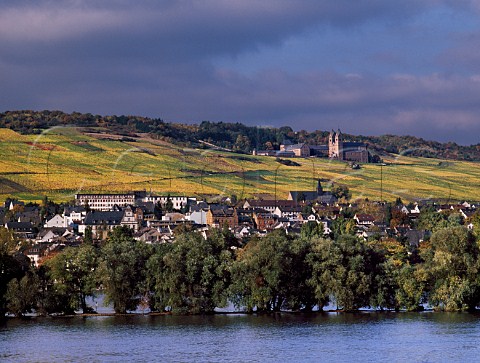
[(322, 337)]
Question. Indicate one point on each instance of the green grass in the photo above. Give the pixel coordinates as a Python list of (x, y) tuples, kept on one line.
[(63, 161)]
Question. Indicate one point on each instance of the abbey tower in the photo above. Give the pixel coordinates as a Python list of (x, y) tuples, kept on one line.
[(335, 145)]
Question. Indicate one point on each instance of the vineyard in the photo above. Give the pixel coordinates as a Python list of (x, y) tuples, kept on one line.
[(63, 161)]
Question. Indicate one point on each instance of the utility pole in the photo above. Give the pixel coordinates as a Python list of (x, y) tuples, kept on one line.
[(381, 182), (276, 171)]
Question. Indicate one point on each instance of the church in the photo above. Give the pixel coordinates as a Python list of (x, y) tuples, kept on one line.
[(346, 151), (336, 149)]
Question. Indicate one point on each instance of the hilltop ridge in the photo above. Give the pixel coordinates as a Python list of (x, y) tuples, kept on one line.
[(235, 136)]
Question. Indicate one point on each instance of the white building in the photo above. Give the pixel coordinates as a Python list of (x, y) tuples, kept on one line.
[(178, 201), (56, 221), (105, 202)]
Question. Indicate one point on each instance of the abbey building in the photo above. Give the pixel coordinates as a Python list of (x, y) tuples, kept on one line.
[(336, 149), (347, 151)]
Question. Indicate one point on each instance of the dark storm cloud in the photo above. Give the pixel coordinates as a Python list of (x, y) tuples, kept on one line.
[(157, 58)]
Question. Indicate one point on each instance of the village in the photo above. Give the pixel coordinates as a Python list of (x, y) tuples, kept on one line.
[(47, 229)]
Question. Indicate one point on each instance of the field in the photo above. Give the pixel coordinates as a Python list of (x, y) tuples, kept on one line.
[(64, 161)]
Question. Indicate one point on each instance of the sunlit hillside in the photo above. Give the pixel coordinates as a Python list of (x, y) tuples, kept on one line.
[(64, 161)]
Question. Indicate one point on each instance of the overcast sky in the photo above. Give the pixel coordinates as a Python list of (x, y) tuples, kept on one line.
[(367, 66)]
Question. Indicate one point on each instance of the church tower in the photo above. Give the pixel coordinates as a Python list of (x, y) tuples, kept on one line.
[(331, 145), (339, 145), (335, 145)]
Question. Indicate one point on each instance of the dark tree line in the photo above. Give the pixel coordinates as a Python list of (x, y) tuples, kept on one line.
[(278, 272)]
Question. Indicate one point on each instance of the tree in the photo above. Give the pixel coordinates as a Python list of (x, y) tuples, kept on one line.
[(399, 218), (399, 283), (88, 238), (158, 211), (411, 284), (169, 204), (269, 274), (21, 295), (10, 265), (341, 226), (455, 219), (44, 207), (191, 275), (311, 229), (74, 274), (452, 266), (242, 143), (345, 270), (341, 191), (431, 220), (299, 295), (122, 269)]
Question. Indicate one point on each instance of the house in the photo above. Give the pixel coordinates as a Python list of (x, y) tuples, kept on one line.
[(132, 218), (263, 220), (264, 152), (29, 214), (56, 221), (219, 217), (364, 219), (47, 235), (147, 210), (21, 229), (291, 213), (404, 210), (467, 213), (198, 213), (15, 203), (299, 150), (151, 235), (369, 233), (174, 217), (245, 216), (35, 253), (101, 222), (326, 226), (73, 216), (242, 232), (268, 205)]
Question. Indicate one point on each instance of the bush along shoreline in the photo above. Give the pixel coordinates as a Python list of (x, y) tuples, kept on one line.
[(276, 273)]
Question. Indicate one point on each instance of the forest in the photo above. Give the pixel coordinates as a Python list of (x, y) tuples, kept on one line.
[(234, 136), (278, 272)]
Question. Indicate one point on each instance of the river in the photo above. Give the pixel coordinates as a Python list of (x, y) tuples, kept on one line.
[(322, 337)]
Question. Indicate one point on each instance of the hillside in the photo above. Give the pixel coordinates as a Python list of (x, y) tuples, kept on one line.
[(235, 136), (63, 161)]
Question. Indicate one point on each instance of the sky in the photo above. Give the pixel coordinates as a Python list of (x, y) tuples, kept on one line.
[(369, 67)]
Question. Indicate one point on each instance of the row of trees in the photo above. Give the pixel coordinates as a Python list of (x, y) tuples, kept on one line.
[(278, 272)]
